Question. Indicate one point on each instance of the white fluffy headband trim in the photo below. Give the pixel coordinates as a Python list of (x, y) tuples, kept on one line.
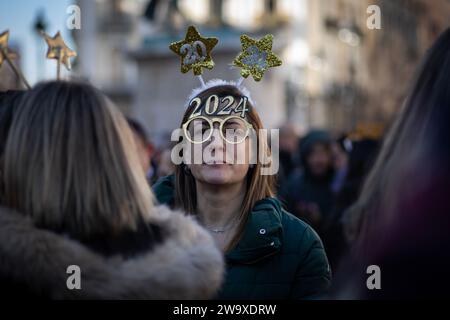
[(215, 83)]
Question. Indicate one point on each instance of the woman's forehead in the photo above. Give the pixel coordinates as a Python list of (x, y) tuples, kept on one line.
[(219, 105)]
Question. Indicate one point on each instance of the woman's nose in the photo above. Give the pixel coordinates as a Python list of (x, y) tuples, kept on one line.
[(216, 141)]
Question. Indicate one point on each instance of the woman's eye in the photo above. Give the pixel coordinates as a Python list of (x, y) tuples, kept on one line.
[(199, 127), (200, 130)]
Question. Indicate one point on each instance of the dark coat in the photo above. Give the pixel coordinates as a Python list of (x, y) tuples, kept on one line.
[(278, 256), (302, 190), (183, 263)]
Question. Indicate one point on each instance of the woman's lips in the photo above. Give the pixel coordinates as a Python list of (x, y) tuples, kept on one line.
[(216, 164)]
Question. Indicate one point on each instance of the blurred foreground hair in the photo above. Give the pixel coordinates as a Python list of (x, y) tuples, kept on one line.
[(70, 165)]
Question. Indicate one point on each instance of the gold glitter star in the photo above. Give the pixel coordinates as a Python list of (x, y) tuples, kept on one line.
[(194, 51), (4, 49), (256, 57), (57, 49)]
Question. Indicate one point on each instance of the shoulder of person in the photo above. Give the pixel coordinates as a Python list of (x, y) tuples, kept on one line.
[(185, 264)]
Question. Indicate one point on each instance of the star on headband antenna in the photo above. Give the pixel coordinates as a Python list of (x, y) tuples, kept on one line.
[(256, 57), (4, 49), (57, 49), (194, 51)]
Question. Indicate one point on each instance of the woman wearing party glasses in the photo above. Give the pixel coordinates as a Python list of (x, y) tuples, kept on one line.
[(270, 254)]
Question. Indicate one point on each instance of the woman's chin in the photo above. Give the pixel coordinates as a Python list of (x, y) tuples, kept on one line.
[(216, 174)]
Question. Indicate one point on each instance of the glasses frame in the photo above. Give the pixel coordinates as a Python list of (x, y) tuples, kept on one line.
[(211, 122)]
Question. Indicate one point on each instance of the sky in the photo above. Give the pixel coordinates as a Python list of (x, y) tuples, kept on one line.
[(19, 16)]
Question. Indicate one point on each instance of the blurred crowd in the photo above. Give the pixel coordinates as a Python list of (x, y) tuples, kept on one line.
[(321, 177)]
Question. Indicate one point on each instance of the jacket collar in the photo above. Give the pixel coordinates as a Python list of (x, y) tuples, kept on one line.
[(263, 232)]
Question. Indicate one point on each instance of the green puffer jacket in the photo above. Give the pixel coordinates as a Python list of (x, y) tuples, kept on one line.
[(278, 256)]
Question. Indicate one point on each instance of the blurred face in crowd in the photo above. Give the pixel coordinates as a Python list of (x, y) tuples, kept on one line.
[(319, 159), (220, 164)]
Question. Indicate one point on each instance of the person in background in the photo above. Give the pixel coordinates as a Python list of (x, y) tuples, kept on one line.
[(73, 194), (361, 157), (9, 102), (401, 221), (144, 147), (308, 193)]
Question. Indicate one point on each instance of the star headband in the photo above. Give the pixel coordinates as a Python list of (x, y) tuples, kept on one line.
[(255, 59), (8, 55), (57, 49)]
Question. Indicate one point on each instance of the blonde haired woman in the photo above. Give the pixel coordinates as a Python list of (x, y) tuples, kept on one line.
[(75, 194), (270, 254)]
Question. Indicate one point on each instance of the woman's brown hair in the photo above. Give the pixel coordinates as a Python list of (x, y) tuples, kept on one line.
[(69, 163), (258, 186)]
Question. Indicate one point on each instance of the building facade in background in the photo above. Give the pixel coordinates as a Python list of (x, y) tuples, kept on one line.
[(357, 75), (336, 74)]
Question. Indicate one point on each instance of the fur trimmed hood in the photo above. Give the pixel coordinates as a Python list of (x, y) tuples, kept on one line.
[(185, 265)]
